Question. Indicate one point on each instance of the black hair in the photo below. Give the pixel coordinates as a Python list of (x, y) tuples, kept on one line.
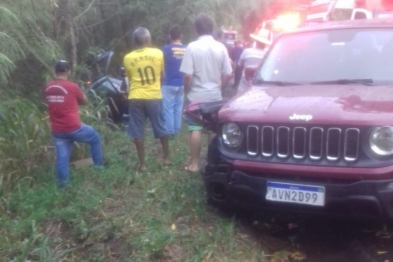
[(204, 24), (175, 33), (168, 40)]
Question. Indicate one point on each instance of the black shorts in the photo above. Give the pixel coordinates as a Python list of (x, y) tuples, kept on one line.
[(139, 110)]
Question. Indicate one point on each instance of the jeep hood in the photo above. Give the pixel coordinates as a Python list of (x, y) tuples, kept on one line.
[(316, 104)]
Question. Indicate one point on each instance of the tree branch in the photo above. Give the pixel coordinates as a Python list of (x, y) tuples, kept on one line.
[(33, 52), (84, 12)]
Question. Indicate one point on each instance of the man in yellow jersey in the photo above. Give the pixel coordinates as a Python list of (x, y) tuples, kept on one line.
[(144, 68)]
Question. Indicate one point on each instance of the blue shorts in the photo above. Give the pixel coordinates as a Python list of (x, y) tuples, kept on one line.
[(139, 110)]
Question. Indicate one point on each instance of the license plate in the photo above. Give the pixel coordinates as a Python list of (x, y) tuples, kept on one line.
[(295, 193)]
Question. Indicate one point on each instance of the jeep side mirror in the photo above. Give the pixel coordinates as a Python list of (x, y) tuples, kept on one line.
[(249, 73)]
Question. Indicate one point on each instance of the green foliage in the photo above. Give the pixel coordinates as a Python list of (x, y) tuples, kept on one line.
[(34, 34), (118, 214), (27, 52), (24, 139), (113, 214), (10, 49)]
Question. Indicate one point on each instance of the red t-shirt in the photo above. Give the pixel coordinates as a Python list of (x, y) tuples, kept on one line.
[(62, 97)]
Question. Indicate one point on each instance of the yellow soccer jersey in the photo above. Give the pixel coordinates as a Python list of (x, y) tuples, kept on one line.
[(143, 68)]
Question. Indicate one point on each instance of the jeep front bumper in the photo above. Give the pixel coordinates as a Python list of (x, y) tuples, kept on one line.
[(231, 183)]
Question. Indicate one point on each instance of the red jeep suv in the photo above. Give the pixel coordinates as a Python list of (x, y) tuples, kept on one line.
[(314, 131)]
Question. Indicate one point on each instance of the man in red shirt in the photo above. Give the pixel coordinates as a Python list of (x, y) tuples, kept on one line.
[(63, 98)]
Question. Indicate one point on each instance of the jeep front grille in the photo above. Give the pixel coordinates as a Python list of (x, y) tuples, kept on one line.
[(315, 143)]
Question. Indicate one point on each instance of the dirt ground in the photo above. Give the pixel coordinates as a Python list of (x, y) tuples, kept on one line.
[(319, 239)]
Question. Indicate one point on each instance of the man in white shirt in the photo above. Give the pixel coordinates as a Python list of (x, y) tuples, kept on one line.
[(253, 56), (207, 68)]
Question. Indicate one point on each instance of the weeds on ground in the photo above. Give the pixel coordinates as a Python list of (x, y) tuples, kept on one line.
[(109, 214), (118, 214), (25, 138)]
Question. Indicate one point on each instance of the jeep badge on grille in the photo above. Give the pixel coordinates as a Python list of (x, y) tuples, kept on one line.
[(300, 117)]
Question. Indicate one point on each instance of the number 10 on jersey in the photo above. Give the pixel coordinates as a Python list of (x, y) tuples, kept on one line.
[(147, 75)]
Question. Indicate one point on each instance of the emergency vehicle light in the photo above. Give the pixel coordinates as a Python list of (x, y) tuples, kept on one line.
[(286, 22)]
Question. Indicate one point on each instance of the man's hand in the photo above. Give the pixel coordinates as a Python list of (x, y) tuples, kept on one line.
[(84, 100), (187, 83)]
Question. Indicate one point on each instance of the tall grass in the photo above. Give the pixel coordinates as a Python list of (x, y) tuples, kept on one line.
[(119, 214), (111, 214), (24, 140)]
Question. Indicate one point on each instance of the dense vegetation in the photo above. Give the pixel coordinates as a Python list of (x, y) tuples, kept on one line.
[(34, 34), (117, 214)]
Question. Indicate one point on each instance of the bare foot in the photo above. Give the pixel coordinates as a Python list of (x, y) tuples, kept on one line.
[(192, 169), (142, 167), (166, 162), (189, 161)]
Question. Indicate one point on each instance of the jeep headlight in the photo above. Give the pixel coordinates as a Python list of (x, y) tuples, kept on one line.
[(232, 135), (381, 140)]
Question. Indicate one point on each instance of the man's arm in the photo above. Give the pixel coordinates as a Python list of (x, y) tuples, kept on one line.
[(187, 83), (239, 68), (162, 67), (226, 71), (128, 75), (80, 96), (225, 80), (83, 100), (162, 77), (187, 67), (238, 73)]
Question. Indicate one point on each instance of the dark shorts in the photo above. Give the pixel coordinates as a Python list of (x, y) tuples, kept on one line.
[(139, 110), (192, 125)]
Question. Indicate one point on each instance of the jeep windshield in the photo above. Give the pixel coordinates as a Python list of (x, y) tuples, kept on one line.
[(339, 56)]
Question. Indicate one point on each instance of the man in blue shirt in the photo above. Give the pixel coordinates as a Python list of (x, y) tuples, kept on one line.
[(172, 90)]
